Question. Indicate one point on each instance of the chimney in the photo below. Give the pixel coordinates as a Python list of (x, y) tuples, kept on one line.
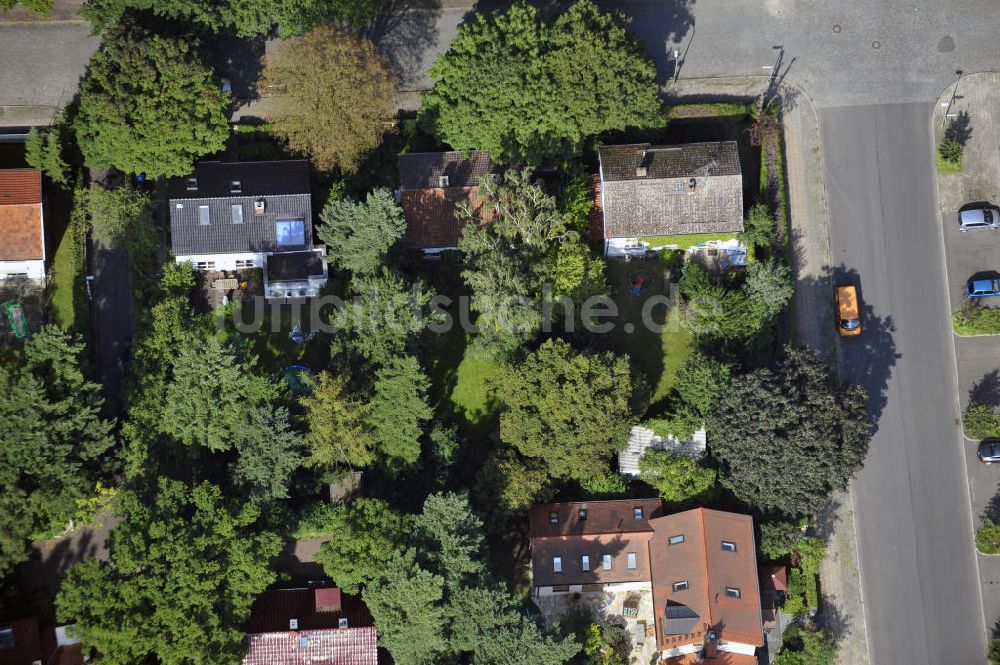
[(640, 172), (327, 600), (342, 622), (259, 206)]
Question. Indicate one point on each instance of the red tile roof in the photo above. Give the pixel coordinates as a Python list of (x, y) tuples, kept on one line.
[(21, 235), (274, 609), (709, 570), (602, 517), (572, 549), (720, 658), (431, 220), (350, 646)]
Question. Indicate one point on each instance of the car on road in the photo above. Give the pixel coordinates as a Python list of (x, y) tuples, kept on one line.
[(989, 451), (848, 311), (985, 287), (974, 219)]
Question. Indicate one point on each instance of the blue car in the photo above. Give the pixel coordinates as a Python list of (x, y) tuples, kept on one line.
[(982, 288)]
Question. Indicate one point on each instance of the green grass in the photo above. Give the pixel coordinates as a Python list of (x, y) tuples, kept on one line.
[(976, 320), (686, 240), (658, 355), (469, 396), (945, 166), (64, 282)]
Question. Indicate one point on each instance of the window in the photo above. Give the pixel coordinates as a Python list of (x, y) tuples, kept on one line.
[(180, 206), (585, 562), (637, 512), (204, 265), (203, 218), (6, 638), (680, 586), (235, 187), (732, 592), (631, 561), (553, 517), (443, 181), (244, 263), (728, 546), (237, 213), (290, 232), (606, 562), (676, 540), (583, 514), (192, 184), (557, 564)]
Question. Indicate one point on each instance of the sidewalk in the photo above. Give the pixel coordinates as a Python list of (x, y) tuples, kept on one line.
[(842, 607)]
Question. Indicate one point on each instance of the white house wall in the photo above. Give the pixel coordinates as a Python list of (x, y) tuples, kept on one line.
[(224, 261), (20, 269)]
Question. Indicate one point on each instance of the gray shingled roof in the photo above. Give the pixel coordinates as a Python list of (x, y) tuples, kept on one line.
[(423, 170), (221, 236), (666, 190), (214, 179)]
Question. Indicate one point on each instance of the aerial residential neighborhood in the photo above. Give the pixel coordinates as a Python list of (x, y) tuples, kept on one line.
[(443, 332)]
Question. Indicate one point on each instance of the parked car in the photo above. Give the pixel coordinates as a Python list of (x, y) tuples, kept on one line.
[(989, 451), (848, 311), (979, 218), (985, 287)]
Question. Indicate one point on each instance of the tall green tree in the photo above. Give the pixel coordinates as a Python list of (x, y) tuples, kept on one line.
[(269, 452), (149, 104), (790, 415), (359, 234), (54, 446), (399, 411), (245, 17), (406, 607), (568, 409), (337, 431), (213, 393), (186, 565), (367, 533), (43, 151), (564, 78), (448, 536), (333, 95), (677, 478), (806, 645), (696, 386)]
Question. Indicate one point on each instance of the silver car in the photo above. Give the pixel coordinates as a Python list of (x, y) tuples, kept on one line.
[(978, 218)]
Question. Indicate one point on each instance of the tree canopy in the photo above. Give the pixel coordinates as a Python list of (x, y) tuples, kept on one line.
[(359, 234), (791, 417), (399, 411), (186, 565), (331, 95), (149, 104), (337, 432), (806, 645), (563, 79), (570, 410), (677, 478), (53, 443)]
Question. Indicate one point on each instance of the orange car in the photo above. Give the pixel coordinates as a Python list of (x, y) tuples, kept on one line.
[(848, 311)]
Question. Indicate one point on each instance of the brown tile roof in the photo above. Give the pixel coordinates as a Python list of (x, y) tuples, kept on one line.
[(273, 610), (709, 571), (21, 235), (572, 549), (424, 170), (602, 517), (430, 214), (720, 658), (666, 190)]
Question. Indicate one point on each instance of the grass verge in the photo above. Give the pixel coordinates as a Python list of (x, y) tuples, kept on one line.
[(945, 166), (976, 320)]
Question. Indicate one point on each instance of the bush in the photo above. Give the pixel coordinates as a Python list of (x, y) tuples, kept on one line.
[(610, 485), (318, 519), (974, 319), (988, 537), (778, 539), (979, 422), (950, 150), (994, 653)]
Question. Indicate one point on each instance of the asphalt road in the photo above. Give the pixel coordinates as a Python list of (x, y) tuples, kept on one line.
[(912, 502)]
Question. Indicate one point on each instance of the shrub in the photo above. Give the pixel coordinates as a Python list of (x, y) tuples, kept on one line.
[(994, 653), (950, 150), (980, 422), (988, 537), (318, 519), (610, 485), (974, 319), (778, 539)]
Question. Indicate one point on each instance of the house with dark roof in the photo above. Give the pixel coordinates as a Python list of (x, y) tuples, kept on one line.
[(25, 642), (692, 576), (431, 186), (310, 625), (646, 192), (240, 215), (22, 225)]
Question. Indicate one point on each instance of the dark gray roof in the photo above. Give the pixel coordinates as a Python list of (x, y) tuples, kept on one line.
[(214, 179), (680, 619), (257, 233), (423, 170), (668, 190), (290, 266)]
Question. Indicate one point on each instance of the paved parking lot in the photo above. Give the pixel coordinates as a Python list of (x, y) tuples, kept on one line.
[(974, 105)]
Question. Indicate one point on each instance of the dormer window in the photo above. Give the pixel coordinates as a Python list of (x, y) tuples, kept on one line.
[(235, 187), (192, 184), (728, 546), (637, 513), (557, 564), (442, 181), (583, 514), (733, 592), (680, 586)]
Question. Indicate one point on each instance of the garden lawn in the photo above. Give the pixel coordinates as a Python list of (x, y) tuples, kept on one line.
[(64, 279), (658, 355), (944, 166)]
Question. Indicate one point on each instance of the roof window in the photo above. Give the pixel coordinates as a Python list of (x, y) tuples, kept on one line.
[(290, 232), (192, 184), (585, 562), (442, 181), (632, 565), (557, 564), (237, 213), (733, 592), (680, 586), (203, 217), (676, 540), (235, 187), (553, 517), (606, 562), (637, 512), (583, 514), (728, 546)]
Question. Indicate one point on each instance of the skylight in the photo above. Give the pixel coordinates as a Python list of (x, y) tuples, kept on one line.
[(290, 232)]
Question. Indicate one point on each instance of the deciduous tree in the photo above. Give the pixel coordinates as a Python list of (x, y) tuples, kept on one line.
[(677, 478), (269, 452), (149, 105), (331, 95), (789, 416), (337, 431), (359, 234), (563, 79)]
